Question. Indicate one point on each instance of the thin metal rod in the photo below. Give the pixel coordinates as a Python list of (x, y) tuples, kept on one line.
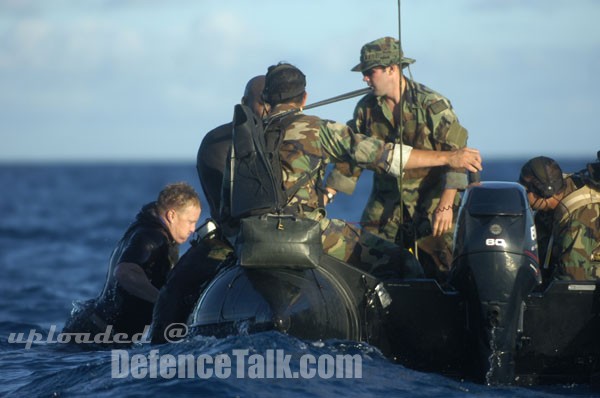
[(340, 97), (331, 100), (400, 118), (400, 132)]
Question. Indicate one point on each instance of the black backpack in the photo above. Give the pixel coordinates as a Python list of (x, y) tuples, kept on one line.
[(256, 185), (256, 177)]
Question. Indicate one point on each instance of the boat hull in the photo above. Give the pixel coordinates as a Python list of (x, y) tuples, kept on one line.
[(492, 322), (556, 335)]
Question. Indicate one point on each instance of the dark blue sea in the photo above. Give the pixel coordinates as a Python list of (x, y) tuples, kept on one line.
[(58, 225)]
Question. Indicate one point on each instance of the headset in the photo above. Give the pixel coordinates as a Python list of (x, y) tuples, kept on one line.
[(541, 184)]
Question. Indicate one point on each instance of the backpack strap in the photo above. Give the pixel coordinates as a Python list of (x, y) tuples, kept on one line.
[(307, 176), (577, 199), (281, 125)]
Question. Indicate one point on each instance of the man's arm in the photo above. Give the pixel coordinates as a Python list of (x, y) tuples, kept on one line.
[(467, 158), (343, 178), (369, 152), (345, 175), (442, 216), (133, 279)]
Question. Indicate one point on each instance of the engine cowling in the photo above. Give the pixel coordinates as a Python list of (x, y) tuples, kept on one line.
[(495, 267)]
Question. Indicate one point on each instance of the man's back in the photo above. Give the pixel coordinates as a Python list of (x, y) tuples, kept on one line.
[(210, 164)]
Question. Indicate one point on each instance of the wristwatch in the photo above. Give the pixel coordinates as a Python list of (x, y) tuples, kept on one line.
[(330, 197)]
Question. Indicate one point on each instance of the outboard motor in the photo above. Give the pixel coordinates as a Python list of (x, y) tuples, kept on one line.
[(495, 267)]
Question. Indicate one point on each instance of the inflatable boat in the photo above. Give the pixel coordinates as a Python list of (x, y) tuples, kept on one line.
[(493, 321)]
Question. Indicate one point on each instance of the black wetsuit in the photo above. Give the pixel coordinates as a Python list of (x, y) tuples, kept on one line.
[(200, 263), (210, 163), (147, 243)]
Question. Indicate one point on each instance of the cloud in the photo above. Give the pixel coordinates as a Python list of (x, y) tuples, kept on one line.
[(142, 68)]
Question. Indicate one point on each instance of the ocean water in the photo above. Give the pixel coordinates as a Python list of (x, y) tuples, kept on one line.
[(58, 225)]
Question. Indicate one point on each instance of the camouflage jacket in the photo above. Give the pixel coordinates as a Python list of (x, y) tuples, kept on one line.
[(310, 144), (576, 235), (429, 122)]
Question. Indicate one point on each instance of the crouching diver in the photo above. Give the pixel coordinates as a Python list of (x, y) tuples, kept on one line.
[(567, 218), (138, 267), (198, 266), (298, 149)]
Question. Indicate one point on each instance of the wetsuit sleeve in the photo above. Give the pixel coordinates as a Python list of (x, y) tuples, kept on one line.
[(141, 247)]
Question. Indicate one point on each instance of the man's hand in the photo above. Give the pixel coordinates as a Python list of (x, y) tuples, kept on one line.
[(442, 215), (466, 158), (328, 195), (442, 220)]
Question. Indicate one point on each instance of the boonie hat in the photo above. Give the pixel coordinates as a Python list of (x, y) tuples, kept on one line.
[(381, 52)]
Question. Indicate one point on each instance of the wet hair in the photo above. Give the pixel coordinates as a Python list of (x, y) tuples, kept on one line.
[(542, 176), (177, 196), (284, 83)]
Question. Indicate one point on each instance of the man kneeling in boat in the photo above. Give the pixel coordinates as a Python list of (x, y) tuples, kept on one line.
[(139, 266), (305, 145), (567, 219)]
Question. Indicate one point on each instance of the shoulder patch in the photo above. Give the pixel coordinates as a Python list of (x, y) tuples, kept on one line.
[(438, 106)]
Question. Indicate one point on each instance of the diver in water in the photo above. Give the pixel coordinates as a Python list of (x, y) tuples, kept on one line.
[(567, 219), (209, 249), (139, 266)]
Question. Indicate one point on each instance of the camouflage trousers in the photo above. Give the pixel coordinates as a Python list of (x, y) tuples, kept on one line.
[(587, 272), (367, 251), (434, 252), (587, 268)]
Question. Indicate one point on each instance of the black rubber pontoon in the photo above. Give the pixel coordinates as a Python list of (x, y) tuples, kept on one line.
[(491, 322)]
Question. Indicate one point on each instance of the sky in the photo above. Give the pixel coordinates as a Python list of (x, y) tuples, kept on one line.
[(133, 80)]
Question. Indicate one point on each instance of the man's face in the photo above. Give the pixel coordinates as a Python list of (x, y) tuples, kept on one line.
[(537, 202), (259, 107), (378, 79), (182, 222)]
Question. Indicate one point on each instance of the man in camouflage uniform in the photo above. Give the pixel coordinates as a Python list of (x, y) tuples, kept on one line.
[(571, 204), (310, 144), (430, 195)]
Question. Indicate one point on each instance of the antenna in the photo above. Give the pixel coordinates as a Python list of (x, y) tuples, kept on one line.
[(400, 126), (400, 121)]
